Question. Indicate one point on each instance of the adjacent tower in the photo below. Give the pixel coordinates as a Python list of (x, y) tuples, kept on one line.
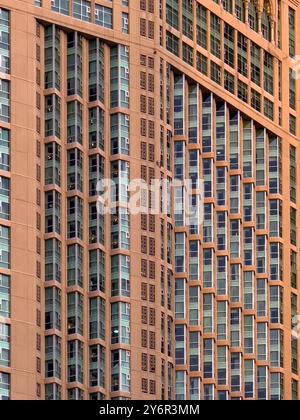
[(148, 306)]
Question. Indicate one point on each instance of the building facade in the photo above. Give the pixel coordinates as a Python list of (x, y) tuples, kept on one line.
[(147, 306)]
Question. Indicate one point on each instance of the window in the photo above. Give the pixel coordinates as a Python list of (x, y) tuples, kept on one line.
[(74, 170), (60, 6), (201, 26), (4, 296), (229, 45), (240, 10), (74, 68), (52, 57), (120, 371), (268, 73), (4, 386), (235, 292), (235, 372), (119, 129), (221, 138), (103, 16), (180, 344), (293, 226), (4, 345), (179, 114), (53, 308), (75, 265), (293, 264), (125, 23), (172, 43), (255, 63), (172, 13), (274, 165), (52, 392), (52, 260), (4, 247), (96, 125), (4, 101), (180, 298), (242, 55), (229, 82), (266, 27), (120, 275), (269, 109), (292, 88), (255, 100), (242, 91), (75, 313), (276, 305), (215, 35), (208, 362), (96, 71), (249, 334), (119, 84), (75, 361), (82, 10), (5, 41), (187, 54), (52, 116), (292, 32), (120, 323), (293, 189), (215, 73), (4, 149), (97, 318), (53, 356), (96, 270), (235, 328), (234, 124), (253, 15), (4, 198), (260, 157), (53, 212), (208, 323), (74, 218), (97, 366), (52, 164), (74, 122), (187, 18)]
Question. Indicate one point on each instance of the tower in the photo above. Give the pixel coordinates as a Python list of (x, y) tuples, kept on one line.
[(147, 306)]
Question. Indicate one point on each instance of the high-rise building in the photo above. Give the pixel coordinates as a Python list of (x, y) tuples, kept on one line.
[(147, 306)]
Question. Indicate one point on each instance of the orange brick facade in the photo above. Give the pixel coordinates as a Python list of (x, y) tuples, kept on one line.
[(146, 306)]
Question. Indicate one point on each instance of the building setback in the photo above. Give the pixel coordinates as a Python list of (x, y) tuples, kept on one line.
[(148, 306)]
